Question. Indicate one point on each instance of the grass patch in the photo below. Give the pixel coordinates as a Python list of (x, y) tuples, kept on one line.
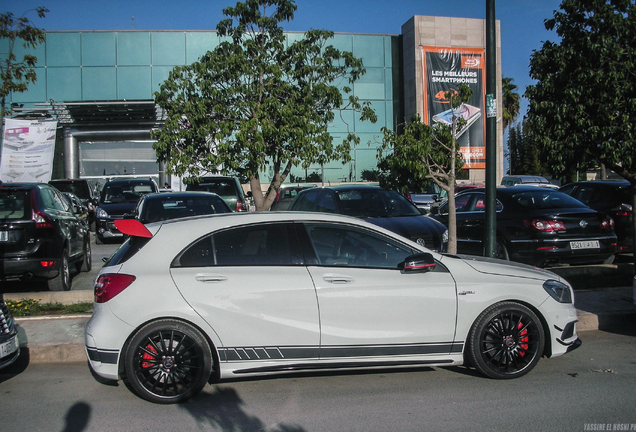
[(30, 307)]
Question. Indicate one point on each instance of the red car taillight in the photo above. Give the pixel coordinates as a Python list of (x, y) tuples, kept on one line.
[(545, 225), (42, 220), (109, 285), (239, 205)]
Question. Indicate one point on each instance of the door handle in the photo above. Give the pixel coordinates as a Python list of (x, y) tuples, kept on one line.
[(338, 279), (210, 278)]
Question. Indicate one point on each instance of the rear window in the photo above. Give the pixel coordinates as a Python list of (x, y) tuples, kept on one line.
[(15, 204), (224, 189), (375, 203), (127, 250), (545, 199), (77, 188)]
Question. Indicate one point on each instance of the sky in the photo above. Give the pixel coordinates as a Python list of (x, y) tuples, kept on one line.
[(522, 21)]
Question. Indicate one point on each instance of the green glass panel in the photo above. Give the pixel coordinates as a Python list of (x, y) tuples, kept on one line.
[(99, 49), (159, 75), (198, 43), (134, 83), (133, 48), (342, 122), (371, 85), (365, 159), (168, 48), (36, 91), (63, 49), (370, 48), (64, 84), (343, 42), (99, 83), (390, 121), (366, 126)]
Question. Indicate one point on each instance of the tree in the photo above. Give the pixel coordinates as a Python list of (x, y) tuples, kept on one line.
[(523, 153), (583, 107), (259, 100), (510, 102), (17, 75), (423, 152)]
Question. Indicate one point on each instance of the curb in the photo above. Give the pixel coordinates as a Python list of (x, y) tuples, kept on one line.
[(63, 297)]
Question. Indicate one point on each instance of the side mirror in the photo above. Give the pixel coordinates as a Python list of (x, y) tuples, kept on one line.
[(418, 263)]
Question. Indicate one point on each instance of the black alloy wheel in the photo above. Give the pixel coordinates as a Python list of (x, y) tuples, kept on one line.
[(167, 362), (506, 341)]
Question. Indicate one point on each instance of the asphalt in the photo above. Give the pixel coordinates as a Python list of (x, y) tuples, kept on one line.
[(604, 297)]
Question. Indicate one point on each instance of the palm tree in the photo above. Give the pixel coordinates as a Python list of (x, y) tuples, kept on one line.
[(510, 102)]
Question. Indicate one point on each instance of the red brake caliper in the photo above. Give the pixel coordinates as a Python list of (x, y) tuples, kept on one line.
[(147, 356), (523, 338)]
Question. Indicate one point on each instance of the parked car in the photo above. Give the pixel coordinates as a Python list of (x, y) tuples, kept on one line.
[(424, 199), (118, 197), (228, 188), (40, 236), (611, 197), (84, 189), (172, 205), (281, 292), (9, 342), (537, 226), (287, 193), (527, 180), (381, 207)]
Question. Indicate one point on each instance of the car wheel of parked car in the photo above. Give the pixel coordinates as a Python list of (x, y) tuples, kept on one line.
[(61, 282), (501, 251), (506, 341), (87, 262), (167, 361)]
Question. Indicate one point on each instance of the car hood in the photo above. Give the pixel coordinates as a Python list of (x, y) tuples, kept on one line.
[(410, 226), (507, 268)]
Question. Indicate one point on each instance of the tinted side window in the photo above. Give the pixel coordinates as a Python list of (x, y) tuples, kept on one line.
[(271, 244), (339, 245), (306, 201), (326, 203)]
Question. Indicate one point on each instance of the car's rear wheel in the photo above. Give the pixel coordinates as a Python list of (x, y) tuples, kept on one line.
[(506, 341), (62, 282), (86, 264), (167, 361), (501, 251)]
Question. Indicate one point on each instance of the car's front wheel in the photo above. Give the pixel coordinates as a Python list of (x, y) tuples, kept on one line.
[(167, 361), (506, 341)]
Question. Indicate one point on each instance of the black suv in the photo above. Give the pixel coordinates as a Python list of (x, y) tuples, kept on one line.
[(84, 189), (9, 343), (228, 188), (40, 236), (118, 198), (611, 197)]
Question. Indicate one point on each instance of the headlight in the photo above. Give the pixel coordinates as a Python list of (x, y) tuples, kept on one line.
[(558, 291), (101, 213)]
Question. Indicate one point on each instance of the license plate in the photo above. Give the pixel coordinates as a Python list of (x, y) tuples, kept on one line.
[(9, 347), (591, 244), (4, 236)]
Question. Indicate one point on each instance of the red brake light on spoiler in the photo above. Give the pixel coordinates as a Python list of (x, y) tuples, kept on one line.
[(132, 227)]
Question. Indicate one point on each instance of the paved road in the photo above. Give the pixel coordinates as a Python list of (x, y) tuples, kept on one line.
[(593, 385)]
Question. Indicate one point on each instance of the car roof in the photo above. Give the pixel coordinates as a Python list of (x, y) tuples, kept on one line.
[(175, 195), (129, 181), (601, 182), (344, 187)]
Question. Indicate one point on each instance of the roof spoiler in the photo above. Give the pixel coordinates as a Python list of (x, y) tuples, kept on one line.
[(132, 227)]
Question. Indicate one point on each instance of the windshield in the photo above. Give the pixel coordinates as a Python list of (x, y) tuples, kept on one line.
[(124, 192), (375, 203)]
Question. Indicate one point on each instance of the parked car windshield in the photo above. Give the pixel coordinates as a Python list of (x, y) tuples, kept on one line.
[(375, 203), (545, 199), (121, 193)]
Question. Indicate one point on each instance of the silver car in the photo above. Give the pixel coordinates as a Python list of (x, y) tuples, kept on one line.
[(197, 300)]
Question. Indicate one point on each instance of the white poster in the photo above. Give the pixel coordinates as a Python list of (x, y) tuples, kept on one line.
[(27, 151)]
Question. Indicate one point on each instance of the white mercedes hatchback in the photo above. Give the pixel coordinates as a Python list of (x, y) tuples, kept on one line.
[(191, 301)]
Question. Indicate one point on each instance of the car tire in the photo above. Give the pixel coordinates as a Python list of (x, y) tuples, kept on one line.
[(167, 361), (61, 282), (86, 264), (506, 341)]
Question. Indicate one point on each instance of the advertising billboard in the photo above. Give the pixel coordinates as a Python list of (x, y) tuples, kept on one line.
[(27, 150), (444, 70)]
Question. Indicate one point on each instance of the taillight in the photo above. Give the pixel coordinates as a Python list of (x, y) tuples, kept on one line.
[(545, 225), (42, 220), (109, 285), (408, 196), (239, 205), (607, 223)]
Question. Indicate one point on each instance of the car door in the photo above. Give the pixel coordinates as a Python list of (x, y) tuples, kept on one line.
[(370, 308), (249, 284)]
